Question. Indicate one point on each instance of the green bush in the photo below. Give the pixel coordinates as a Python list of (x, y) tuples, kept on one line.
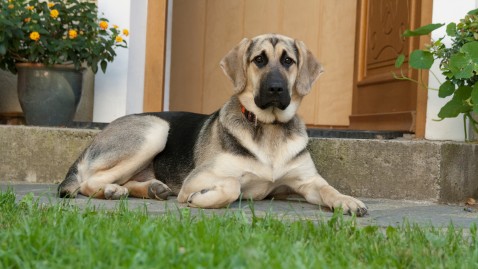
[(458, 63), (56, 32)]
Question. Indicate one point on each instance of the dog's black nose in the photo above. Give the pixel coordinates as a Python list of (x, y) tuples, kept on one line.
[(273, 91), (276, 89)]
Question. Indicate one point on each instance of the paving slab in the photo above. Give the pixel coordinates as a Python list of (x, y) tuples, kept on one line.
[(382, 212)]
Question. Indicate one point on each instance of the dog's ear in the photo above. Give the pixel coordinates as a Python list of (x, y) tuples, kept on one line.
[(309, 69), (234, 65)]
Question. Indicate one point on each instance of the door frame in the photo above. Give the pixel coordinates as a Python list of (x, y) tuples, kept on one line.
[(154, 76)]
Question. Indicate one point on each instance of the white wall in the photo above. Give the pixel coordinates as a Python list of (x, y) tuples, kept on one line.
[(137, 57), (111, 88), (444, 11), (120, 90), (167, 68)]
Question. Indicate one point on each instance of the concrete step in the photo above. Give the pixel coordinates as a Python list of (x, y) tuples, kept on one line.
[(436, 171)]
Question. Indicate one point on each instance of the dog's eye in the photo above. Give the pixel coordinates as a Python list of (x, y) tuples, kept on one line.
[(288, 61), (258, 59)]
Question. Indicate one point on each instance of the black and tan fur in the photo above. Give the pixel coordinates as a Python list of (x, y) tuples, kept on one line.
[(253, 147)]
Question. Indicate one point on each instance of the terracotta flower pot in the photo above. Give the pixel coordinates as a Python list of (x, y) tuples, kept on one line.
[(49, 95)]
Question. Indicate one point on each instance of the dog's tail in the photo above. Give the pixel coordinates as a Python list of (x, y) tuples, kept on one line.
[(70, 186)]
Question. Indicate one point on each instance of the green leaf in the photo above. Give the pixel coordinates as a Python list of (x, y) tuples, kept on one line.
[(461, 66), (420, 59), (104, 64), (471, 49), (473, 12), (424, 30), (446, 89), (458, 104), (451, 29), (463, 93), (3, 50), (399, 60), (453, 108)]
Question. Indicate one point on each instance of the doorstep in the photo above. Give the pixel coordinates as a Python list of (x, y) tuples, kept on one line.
[(436, 171)]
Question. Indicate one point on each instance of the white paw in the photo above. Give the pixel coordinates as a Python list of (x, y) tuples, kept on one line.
[(350, 205), (115, 192), (193, 196)]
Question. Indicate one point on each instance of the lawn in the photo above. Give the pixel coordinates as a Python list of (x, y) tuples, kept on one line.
[(64, 236)]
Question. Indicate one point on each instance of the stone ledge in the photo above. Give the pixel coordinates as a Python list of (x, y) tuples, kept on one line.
[(394, 169), (39, 154), (438, 171)]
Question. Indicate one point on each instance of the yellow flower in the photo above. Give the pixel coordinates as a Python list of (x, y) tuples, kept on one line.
[(50, 5), (27, 20), (35, 36), (125, 32), (119, 39), (54, 13), (30, 8), (103, 25), (72, 34), (115, 26), (11, 6)]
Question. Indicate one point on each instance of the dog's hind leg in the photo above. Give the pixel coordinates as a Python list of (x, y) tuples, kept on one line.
[(70, 186), (153, 189), (121, 151), (145, 185)]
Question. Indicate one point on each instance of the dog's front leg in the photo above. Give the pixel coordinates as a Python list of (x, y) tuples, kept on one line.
[(317, 191), (207, 190), (304, 180)]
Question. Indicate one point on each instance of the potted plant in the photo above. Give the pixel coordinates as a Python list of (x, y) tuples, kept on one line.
[(458, 63), (48, 43)]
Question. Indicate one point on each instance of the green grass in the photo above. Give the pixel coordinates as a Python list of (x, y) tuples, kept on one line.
[(64, 236)]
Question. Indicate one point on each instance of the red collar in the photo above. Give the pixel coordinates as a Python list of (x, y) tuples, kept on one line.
[(251, 117)]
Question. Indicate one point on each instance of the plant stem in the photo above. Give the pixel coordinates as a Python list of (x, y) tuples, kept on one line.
[(473, 123), (439, 82), (419, 83)]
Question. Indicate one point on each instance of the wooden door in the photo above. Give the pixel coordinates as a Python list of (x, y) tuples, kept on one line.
[(381, 102), (205, 30)]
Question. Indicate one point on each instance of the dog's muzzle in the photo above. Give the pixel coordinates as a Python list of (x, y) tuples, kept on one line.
[(273, 91)]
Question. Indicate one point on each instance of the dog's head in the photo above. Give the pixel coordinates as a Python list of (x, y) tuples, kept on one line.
[(271, 74)]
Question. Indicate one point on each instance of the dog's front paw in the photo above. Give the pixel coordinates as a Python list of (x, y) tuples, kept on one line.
[(192, 196), (115, 192), (349, 205), (332, 198)]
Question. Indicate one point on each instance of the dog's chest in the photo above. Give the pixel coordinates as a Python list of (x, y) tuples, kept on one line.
[(277, 154), (273, 157)]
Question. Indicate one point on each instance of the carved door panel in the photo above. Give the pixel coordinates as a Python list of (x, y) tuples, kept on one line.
[(381, 102)]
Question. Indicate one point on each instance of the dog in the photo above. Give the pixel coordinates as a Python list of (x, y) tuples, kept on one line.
[(254, 147)]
